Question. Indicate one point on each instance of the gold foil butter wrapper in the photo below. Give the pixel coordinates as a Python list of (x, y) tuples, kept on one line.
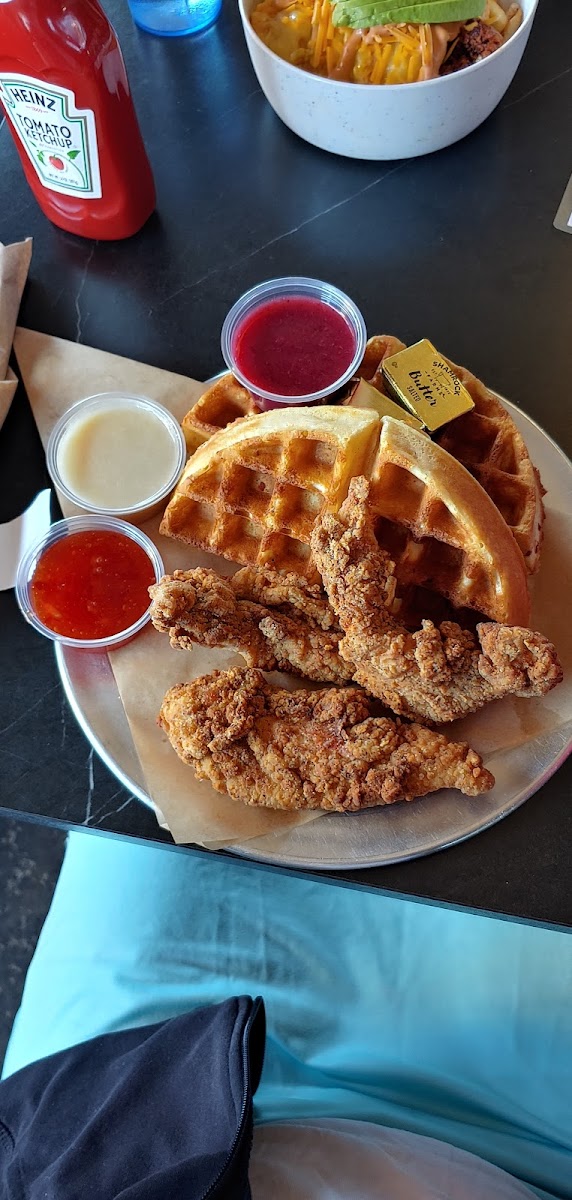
[(421, 379), (366, 396)]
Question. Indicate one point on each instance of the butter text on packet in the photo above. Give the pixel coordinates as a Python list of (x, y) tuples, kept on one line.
[(421, 379)]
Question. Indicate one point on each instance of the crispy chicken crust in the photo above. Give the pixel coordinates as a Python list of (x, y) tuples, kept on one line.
[(278, 621), (438, 673), (308, 750)]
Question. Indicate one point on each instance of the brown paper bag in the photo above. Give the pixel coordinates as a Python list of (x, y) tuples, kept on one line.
[(14, 266)]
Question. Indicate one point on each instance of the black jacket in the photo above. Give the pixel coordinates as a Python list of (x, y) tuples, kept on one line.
[(158, 1113)]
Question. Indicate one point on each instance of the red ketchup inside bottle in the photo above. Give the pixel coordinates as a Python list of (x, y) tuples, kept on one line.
[(293, 346)]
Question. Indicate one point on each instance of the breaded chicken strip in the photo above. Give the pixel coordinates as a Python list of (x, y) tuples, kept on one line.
[(440, 672), (278, 621), (306, 750)]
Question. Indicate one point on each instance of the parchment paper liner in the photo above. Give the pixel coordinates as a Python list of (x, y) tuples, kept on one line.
[(14, 266), (57, 374)]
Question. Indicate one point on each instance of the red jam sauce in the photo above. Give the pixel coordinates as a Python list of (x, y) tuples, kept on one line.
[(91, 584), (293, 346)]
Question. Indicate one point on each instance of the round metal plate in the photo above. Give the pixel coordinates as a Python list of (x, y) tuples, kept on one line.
[(377, 836)]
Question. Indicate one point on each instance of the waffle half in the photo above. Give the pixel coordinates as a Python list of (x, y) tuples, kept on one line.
[(442, 530), (489, 445), (253, 491)]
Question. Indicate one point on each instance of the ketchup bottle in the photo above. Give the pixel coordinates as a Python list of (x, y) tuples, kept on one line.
[(66, 95)]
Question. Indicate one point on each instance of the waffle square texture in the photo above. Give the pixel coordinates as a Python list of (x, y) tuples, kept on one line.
[(487, 442), (252, 492), (223, 402)]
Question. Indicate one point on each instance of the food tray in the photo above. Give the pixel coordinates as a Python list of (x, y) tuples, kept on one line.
[(382, 835)]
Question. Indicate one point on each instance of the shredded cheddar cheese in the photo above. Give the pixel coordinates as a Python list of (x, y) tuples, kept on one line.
[(303, 33)]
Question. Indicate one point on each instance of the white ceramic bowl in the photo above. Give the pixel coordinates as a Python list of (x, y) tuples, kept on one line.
[(385, 121)]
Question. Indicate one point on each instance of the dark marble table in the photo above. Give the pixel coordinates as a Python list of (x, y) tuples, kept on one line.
[(458, 247)]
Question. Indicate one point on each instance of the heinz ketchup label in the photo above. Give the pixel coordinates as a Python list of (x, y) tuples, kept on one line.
[(59, 139)]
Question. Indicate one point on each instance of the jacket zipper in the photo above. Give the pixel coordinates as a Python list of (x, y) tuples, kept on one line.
[(238, 1135)]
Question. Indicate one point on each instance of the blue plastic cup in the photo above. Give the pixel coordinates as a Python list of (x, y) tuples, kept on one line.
[(173, 18)]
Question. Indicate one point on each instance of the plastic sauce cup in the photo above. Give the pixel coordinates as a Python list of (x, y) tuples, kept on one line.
[(293, 341), (117, 455), (63, 529)]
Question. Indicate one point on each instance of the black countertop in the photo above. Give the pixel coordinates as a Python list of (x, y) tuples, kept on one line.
[(458, 247)]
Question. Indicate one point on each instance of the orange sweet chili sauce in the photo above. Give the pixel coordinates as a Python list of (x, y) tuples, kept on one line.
[(91, 584)]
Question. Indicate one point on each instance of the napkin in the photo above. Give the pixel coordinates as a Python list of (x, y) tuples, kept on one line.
[(14, 265), (18, 535)]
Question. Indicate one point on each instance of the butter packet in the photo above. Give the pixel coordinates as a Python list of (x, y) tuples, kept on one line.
[(421, 380), (365, 395)]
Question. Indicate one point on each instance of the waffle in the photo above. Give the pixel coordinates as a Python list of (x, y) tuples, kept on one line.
[(225, 401), (253, 491), (442, 530), (489, 445)]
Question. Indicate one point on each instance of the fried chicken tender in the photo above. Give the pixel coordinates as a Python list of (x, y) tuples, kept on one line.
[(278, 621), (307, 750), (438, 673)]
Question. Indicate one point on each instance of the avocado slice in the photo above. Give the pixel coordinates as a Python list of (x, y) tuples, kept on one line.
[(358, 15)]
